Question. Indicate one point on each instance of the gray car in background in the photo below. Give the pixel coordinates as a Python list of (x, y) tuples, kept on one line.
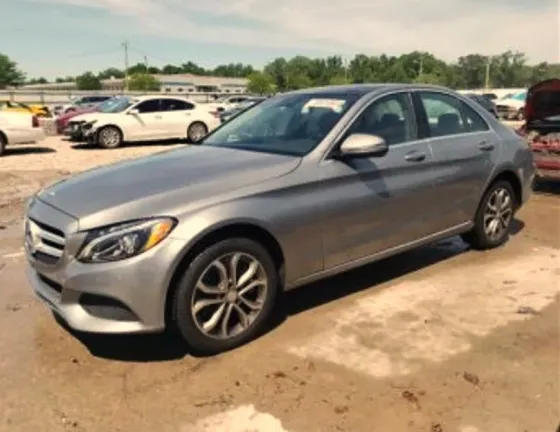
[(303, 186)]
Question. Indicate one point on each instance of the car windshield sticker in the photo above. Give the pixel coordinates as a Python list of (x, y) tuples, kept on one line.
[(337, 105)]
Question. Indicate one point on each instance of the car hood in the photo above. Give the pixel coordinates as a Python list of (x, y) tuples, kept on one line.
[(78, 113), (94, 115), (169, 183)]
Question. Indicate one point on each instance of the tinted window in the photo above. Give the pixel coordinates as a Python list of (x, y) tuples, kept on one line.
[(148, 106), (389, 117), (292, 124), (448, 115), (175, 105)]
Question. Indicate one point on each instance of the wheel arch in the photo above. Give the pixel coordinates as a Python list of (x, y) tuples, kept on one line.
[(509, 175), (116, 126), (240, 228)]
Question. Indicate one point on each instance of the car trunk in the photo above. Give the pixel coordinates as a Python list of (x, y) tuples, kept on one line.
[(542, 126)]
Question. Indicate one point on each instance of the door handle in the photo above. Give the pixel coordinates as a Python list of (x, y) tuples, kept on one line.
[(485, 145), (158, 117), (415, 157)]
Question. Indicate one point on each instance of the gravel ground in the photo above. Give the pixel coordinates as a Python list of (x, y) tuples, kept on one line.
[(442, 339)]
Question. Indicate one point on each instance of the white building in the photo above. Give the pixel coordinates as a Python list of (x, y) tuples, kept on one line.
[(180, 83)]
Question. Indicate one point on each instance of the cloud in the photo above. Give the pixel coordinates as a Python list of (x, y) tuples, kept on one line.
[(448, 29)]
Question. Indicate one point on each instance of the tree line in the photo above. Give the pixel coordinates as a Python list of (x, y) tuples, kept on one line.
[(506, 70)]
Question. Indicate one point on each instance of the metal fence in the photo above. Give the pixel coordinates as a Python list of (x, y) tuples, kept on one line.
[(60, 97)]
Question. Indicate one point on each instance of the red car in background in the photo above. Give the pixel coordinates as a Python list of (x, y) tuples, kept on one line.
[(542, 127), (61, 121), (75, 134)]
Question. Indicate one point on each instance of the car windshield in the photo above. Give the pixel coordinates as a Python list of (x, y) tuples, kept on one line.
[(520, 96), (115, 105), (291, 124)]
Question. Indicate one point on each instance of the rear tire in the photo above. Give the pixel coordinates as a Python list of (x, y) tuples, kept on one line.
[(109, 137), (493, 218), (3, 144), (196, 132), (243, 299)]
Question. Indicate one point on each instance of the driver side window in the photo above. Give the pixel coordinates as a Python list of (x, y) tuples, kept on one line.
[(149, 106), (389, 117)]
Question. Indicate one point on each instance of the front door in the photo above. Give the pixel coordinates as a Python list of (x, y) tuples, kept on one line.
[(147, 123), (373, 204), (465, 150), (176, 117)]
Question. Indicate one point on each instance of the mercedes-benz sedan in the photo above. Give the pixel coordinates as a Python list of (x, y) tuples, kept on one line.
[(300, 187)]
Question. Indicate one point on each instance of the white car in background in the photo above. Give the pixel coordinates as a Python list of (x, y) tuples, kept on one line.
[(147, 118), (512, 107), (225, 103), (17, 128)]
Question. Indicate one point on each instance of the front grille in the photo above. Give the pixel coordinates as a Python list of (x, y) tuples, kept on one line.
[(55, 287), (45, 243), (75, 124)]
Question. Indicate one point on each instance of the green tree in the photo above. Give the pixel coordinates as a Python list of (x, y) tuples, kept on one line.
[(112, 72), (260, 83), (88, 81), (10, 74), (143, 82)]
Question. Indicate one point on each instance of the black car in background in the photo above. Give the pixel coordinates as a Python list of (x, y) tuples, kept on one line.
[(484, 102)]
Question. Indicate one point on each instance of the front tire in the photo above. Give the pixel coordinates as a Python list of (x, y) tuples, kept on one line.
[(226, 296), (493, 218), (196, 132), (109, 137)]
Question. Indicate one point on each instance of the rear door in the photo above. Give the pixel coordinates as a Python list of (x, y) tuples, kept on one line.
[(373, 204), (465, 150), (176, 116)]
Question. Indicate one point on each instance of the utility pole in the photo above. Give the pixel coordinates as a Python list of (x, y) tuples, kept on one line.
[(146, 63), (421, 67), (487, 75), (125, 46)]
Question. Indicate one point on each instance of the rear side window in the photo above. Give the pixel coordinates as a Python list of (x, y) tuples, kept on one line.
[(175, 105), (448, 115)]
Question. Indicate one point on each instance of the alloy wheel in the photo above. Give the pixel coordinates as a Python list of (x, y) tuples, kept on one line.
[(109, 137), (498, 214), (229, 295), (197, 132)]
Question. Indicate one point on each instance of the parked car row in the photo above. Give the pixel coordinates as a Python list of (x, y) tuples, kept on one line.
[(302, 186), (144, 118)]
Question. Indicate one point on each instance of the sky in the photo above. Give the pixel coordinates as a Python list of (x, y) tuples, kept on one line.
[(66, 37)]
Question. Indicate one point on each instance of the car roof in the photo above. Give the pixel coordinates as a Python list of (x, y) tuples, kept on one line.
[(149, 97), (363, 89)]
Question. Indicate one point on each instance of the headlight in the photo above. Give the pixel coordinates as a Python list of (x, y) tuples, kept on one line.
[(125, 240), (89, 125)]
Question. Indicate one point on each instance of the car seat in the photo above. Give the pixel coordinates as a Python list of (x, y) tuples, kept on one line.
[(448, 124)]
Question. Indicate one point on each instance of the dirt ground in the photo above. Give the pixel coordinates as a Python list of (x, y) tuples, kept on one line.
[(436, 340)]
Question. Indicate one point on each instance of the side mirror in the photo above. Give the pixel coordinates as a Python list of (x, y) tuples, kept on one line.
[(363, 145), (134, 111)]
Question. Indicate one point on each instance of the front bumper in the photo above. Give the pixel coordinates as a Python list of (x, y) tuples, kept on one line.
[(74, 134), (128, 296)]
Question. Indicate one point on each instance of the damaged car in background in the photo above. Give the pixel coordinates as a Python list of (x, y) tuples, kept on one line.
[(542, 127)]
